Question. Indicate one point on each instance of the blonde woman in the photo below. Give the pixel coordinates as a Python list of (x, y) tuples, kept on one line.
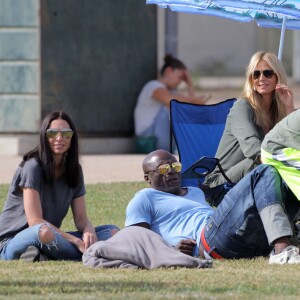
[(266, 99)]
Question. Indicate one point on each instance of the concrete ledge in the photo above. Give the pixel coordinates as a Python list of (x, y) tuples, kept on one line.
[(17, 145), (20, 144), (220, 82), (216, 83), (106, 145)]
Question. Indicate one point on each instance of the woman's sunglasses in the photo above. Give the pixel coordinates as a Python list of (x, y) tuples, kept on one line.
[(66, 133), (267, 73)]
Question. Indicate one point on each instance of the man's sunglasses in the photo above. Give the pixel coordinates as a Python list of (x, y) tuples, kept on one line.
[(66, 133), (267, 73), (164, 169)]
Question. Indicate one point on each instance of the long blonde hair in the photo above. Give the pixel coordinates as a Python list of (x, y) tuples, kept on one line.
[(278, 110)]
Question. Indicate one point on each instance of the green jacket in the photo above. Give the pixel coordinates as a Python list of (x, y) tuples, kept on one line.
[(281, 149)]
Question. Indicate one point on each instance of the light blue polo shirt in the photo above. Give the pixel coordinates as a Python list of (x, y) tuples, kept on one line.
[(172, 217)]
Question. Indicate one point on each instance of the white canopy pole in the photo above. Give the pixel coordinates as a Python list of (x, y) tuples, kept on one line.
[(171, 39), (282, 38), (296, 57)]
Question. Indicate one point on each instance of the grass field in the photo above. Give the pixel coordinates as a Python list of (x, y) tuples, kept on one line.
[(228, 279)]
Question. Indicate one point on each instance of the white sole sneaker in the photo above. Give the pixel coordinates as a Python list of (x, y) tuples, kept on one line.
[(290, 255)]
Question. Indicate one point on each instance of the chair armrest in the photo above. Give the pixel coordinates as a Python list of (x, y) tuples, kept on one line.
[(201, 168)]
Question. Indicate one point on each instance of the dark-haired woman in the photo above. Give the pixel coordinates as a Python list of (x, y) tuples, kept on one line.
[(151, 114), (46, 184)]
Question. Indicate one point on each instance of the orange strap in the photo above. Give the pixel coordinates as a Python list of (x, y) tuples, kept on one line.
[(213, 254)]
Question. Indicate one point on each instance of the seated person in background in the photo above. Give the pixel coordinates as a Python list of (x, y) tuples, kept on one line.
[(46, 184), (281, 149), (250, 221), (151, 114), (265, 101)]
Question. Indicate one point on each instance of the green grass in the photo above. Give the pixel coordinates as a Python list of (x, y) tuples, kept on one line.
[(228, 279)]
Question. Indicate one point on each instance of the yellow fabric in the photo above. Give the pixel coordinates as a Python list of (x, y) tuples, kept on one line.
[(285, 162)]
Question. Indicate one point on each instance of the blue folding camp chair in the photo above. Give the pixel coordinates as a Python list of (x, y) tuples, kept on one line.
[(197, 130)]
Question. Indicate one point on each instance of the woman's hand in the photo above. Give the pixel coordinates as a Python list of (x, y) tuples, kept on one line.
[(82, 222), (89, 237), (204, 98), (197, 99), (187, 78), (285, 96)]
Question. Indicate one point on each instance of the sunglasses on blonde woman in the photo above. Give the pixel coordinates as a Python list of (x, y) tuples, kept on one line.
[(66, 133), (267, 73), (164, 169)]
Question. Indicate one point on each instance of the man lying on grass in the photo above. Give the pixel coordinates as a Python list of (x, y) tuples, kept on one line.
[(250, 221)]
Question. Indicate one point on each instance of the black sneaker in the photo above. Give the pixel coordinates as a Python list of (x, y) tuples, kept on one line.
[(43, 257), (33, 254)]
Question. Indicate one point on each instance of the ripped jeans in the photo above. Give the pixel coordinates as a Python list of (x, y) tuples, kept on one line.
[(257, 211), (58, 249)]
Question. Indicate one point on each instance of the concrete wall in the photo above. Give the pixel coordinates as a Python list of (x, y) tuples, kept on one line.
[(89, 58), (96, 56), (19, 66)]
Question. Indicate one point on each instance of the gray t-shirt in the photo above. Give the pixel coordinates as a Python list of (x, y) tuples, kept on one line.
[(55, 199)]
